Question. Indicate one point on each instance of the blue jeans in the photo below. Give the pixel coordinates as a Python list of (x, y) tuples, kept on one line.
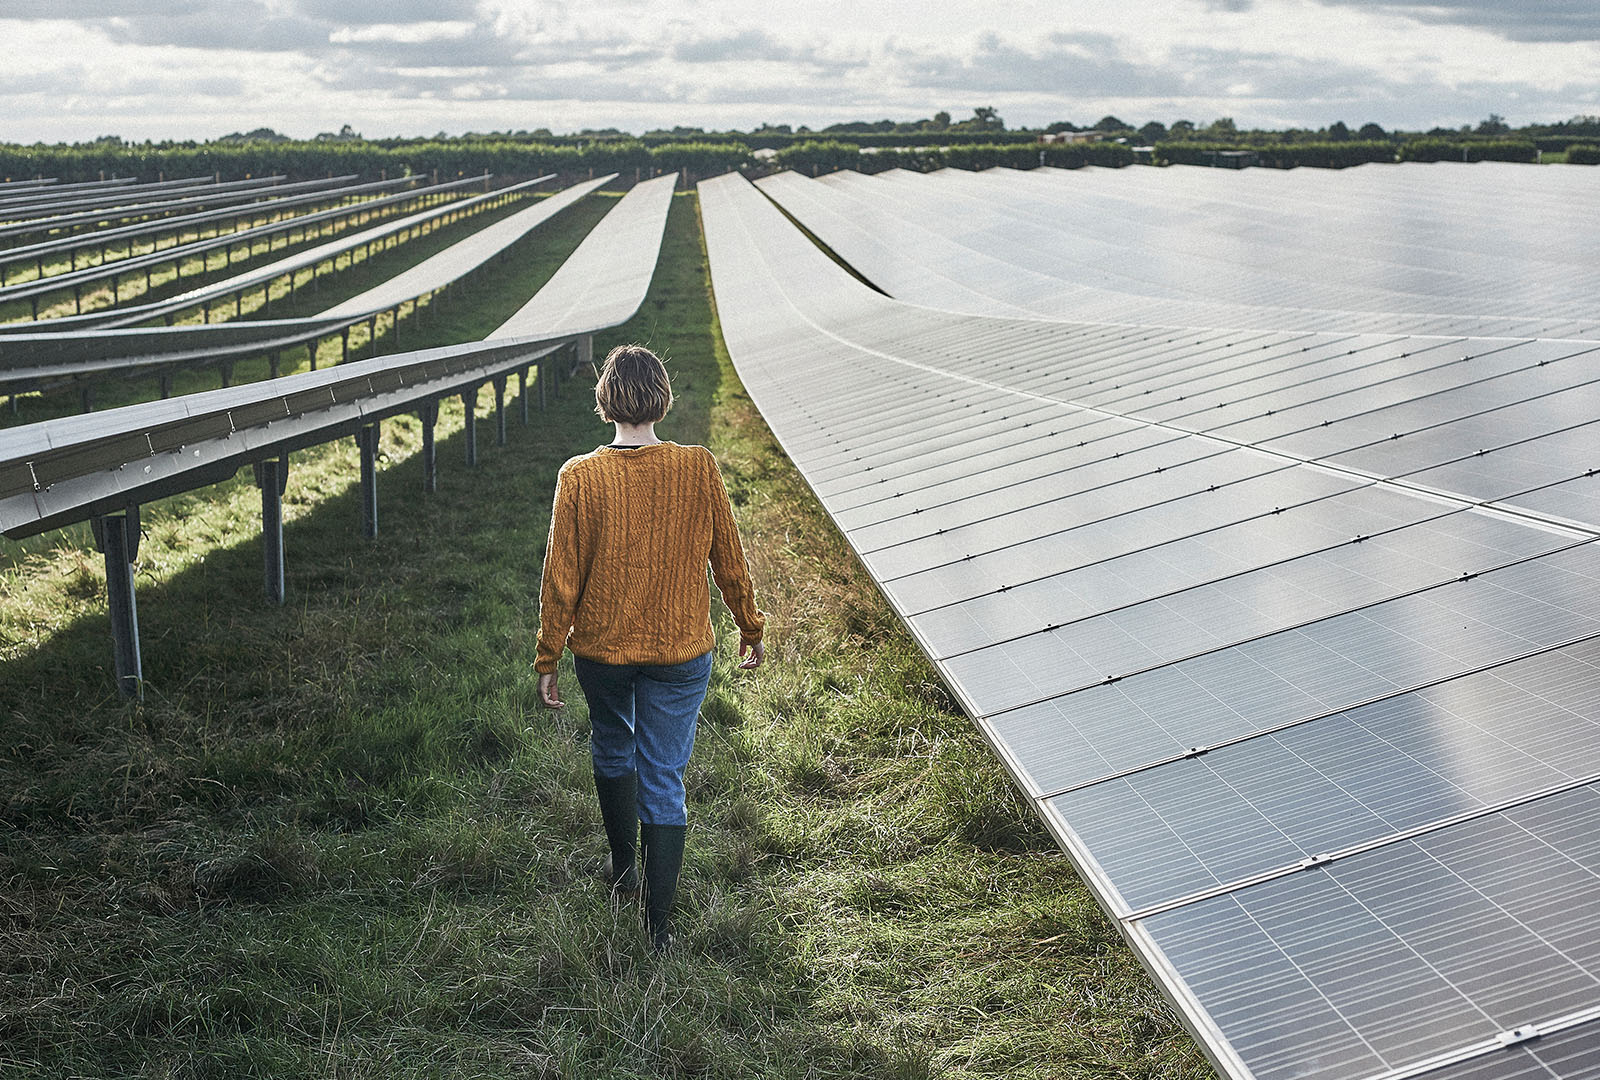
[(642, 718)]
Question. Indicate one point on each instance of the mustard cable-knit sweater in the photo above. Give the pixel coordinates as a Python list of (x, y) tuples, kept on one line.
[(625, 568)]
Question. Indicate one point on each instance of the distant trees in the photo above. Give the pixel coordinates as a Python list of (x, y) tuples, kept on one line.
[(986, 118), (1338, 132), (1494, 125), (1371, 132), (1110, 124), (1182, 129), (1153, 132)]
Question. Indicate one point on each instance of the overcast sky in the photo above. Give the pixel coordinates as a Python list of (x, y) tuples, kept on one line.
[(76, 69)]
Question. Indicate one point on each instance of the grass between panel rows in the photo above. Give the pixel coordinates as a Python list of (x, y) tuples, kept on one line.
[(341, 838)]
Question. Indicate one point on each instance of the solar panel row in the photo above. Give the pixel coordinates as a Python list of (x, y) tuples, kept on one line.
[(1289, 632)]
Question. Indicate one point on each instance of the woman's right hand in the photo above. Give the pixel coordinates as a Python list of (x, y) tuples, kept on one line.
[(751, 654), (550, 692)]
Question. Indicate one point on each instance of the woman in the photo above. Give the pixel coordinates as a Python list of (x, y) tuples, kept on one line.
[(635, 524)]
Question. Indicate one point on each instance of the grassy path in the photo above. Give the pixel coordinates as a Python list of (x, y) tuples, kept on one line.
[(342, 839)]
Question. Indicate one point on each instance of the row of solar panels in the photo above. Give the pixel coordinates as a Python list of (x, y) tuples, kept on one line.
[(34, 354), (102, 467), (1288, 633), (280, 210)]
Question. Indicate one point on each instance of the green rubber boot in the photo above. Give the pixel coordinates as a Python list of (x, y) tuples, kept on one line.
[(662, 850), (619, 810)]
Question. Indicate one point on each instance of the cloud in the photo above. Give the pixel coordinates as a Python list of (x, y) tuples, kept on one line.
[(1070, 64), (1514, 20), (742, 46), (392, 12)]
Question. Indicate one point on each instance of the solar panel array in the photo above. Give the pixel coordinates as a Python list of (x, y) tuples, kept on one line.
[(1416, 249), (1290, 633)]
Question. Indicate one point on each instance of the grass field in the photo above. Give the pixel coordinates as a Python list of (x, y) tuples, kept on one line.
[(341, 839)]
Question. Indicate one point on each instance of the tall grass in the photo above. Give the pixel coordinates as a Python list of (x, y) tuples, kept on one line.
[(340, 838)]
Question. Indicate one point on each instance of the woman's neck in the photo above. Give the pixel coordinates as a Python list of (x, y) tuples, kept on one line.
[(634, 434)]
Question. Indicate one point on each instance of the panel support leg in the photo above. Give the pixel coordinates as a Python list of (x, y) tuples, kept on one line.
[(430, 456), (539, 377), (585, 346), (117, 535), (272, 477), (522, 394), (500, 411), (469, 403), (367, 443)]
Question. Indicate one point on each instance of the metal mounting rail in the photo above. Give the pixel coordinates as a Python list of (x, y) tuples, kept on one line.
[(103, 468)]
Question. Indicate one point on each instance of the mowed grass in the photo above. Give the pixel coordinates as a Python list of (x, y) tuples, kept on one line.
[(341, 838)]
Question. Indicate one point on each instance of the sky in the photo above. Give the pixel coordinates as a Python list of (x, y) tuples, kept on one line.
[(197, 69)]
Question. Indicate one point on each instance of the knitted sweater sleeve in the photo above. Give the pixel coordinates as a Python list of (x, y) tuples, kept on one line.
[(558, 596), (728, 566)]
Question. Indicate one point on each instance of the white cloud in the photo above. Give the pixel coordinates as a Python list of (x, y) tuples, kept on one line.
[(417, 33), (159, 68)]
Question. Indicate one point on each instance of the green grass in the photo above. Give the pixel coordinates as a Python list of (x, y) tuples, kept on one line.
[(340, 838)]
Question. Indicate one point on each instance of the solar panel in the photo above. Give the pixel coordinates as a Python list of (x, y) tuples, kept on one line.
[(1287, 629)]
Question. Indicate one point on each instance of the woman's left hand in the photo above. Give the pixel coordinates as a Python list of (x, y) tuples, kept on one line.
[(550, 692), (752, 654)]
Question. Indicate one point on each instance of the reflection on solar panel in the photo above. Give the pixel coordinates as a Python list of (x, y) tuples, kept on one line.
[(1283, 616)]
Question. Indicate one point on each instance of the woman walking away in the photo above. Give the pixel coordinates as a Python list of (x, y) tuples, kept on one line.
[(635, 524)]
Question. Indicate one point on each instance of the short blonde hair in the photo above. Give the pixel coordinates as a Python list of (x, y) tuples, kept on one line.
[(633, 387)]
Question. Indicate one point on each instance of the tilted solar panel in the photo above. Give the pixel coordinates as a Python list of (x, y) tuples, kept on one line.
[(1288, 631)]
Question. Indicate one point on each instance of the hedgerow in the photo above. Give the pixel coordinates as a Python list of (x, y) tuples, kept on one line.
[(1318, 155), (831, 155), (1469, 150), (303, 160)]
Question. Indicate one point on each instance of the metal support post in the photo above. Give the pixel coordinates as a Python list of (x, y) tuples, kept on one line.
[(585, 346), (500, 411), (539, 377), (225, 370), (86, 397), (522, 394), (469, 402), (117, 536), (166, 386), (272, 365), (272, 477), (367, 443), (344, 345), (430, 456)]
